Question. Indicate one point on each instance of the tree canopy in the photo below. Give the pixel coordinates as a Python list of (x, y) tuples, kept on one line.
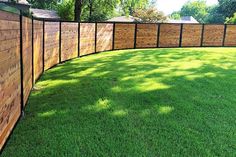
[(198, 9), (150, 14), (207, 14)]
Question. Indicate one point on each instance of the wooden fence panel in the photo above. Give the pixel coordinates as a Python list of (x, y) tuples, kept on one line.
[(51, 43), (213, 35), (191, 35), (169, 35), (146, 35), (38, 49), (230, 38), (104, 37), (124, 36), (27, 56), (10, 106), (87, 38), (69, 40)]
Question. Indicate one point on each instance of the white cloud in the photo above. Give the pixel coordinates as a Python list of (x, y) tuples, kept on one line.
[(168, 6)]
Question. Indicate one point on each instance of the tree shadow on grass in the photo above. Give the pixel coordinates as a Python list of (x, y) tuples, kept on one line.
[(154, 102)]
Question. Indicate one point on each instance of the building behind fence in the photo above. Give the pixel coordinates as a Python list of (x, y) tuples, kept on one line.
[(29, 47)]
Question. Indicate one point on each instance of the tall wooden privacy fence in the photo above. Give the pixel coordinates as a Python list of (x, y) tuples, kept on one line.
[(28, 47)]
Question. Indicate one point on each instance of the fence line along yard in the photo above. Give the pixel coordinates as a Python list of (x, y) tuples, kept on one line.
[(28, 47)]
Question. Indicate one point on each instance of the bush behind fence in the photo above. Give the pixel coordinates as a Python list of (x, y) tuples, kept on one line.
[(29, 47)]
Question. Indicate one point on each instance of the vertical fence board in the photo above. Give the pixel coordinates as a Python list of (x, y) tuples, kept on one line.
[(169, 35), (104, 36), (51, 43), (87, 38), (38, 49), (146, 35), (213, 35), (124, 36), (27, 56), (191, 35), (69, 41), (10, 106), (230, 38)]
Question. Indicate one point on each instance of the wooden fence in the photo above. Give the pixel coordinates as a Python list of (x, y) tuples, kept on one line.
[(28, 47)]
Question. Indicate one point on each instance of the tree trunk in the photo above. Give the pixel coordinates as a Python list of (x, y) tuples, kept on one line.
[(78, 10), (90, 9)]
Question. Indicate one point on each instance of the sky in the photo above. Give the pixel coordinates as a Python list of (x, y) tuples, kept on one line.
[(168, 6)]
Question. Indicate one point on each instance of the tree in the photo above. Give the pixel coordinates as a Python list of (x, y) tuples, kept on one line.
[(129, 6), (214, 16), (150, 15), (66, 10), (78, 10), (44, 4), (175, 15), (231, 20), (197, 9), (227, 7)]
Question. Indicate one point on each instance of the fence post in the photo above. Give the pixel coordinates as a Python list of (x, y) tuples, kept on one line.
[(181, 35), (21, 65), (135, 35), (158, 35), (78, 39), (95, 47), (225, 29), (43, 44), (202, 36), (32, 51), (113, 36), (60, 42)]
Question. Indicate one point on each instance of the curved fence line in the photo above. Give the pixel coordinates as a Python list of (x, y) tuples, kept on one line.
[(28, 47)]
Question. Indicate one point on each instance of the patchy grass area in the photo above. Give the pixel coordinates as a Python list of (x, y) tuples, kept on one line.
[(154, 102)]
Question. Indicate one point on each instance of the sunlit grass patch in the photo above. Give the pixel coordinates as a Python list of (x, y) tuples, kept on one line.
[(152, 102)]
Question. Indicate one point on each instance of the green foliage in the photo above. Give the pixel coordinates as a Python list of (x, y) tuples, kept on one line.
[(196, 9), (227, 7), (231, 20), (44, 4), (66, 10), (207, 14), (129, 6), (150, 15), (175, 15), (153, 102), (98, 10), (214, 16)]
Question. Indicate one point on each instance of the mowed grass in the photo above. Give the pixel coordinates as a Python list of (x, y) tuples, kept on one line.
[(153, 102)]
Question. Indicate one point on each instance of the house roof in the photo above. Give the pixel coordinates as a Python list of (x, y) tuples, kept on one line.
[(46, 14), (122, 19), (184, 19), (23, 2)]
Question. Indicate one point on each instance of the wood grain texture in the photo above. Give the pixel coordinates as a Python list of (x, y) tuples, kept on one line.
[(9, 73), (230, 38), (7, 16), (213, 35), (69, 41), (87, 38), (27, 56), (146, 35), (191, 35), (51, 43), (38, 49), (124, 36), (104, 37), (169, 35)]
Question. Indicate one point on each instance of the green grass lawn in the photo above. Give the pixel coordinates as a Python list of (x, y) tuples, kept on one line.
[(153, 102)]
